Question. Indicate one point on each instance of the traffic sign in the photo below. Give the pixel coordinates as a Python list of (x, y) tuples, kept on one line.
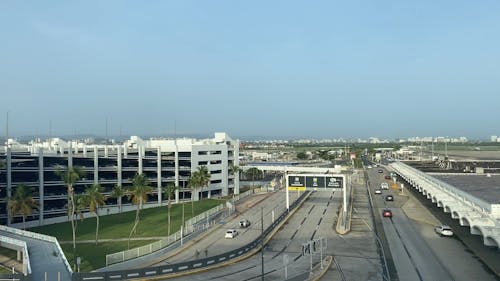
[(302, 182)]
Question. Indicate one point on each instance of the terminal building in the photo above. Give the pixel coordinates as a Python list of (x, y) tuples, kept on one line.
[(162, 161)]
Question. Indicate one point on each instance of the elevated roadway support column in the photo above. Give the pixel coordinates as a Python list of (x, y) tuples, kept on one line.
[(287, 193)]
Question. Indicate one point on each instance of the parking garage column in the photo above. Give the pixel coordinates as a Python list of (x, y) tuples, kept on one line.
[(158, 174), (176, 167), (139, 159), (40, 185), (236, 162), (9, 179), (119, 166), (96, 164)]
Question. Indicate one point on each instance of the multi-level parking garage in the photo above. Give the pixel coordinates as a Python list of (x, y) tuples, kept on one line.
[(162, 161)]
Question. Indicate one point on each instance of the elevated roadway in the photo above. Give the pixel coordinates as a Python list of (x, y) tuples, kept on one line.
[(482, 217)]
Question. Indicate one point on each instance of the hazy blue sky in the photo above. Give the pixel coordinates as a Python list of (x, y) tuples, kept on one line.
[(388, 68)]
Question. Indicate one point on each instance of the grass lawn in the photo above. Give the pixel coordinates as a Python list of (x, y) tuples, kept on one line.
[(11, 254), (153, 223)]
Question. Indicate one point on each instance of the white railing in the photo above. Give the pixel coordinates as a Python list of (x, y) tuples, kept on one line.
[(158, 245), (456, 193), (38, 236)]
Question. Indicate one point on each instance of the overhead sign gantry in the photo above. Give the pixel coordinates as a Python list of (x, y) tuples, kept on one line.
[(302, 182)]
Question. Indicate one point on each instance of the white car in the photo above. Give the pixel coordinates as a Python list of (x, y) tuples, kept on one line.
[(384, 185), (369, 166), (378, 191), (231, 233), (444, 230)]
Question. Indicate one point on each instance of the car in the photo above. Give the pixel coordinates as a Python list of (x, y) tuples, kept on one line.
[(389, 198), (231, 233), (387, 213), (387, 177), (378, 191), (443, 230), (369, 166), (384, 185), (244, 223), (380, 171)]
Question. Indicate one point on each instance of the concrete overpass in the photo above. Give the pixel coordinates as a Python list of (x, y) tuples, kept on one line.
[(293, 169), (482, 217)]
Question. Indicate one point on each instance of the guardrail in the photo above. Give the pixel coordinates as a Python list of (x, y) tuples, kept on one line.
[(149, 272), (21, 244), (192, 225), (197, 223), (38, 236), (412, 173)]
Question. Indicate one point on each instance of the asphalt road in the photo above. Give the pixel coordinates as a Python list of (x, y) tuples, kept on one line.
[(312, 221), (417, 252)]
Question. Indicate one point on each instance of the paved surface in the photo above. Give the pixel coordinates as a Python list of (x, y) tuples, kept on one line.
[(480, 186), (313, 220), (417, 252), (43, 259)]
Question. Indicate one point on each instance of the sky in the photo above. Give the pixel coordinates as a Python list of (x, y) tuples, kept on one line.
[(313, 69)]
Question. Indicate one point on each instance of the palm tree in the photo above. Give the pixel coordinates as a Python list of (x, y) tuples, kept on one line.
[(204, 176), (139, 194), (193, 183), (94, 199), (22, 202), (253, 172), (118, 192), (80, 206), (169, 191), (70, 177)]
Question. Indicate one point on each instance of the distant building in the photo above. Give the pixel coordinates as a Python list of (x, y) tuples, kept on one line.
[(162, 161), (494, 139)]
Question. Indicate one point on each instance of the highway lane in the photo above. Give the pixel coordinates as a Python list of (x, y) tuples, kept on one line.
[(417, 252), (214, 243), (308, 221)]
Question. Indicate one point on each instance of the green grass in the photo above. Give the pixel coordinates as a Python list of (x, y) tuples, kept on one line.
[(94, 256), (11, 254), (153, 223), (6, 252)]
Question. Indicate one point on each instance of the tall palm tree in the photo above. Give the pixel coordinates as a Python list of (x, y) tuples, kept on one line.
[(22, 202), (70, 176), (253, 172), (94, 199), (169, 191), (204, 176), (193, 183), (139, 194), (118, 192), (80, 206)]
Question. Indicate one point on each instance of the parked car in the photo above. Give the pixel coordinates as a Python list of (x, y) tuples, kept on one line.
[(389, 198), (231, 233), (387, 213), (244, 223), (378, 191), (384, 185), (443, 230)]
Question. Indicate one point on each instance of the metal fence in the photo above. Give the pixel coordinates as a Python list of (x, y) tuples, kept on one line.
[(188, 265), (200, 222)]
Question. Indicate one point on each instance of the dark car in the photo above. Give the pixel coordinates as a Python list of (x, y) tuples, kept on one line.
[(389, 198), (387, 213), (387, 177), (244, 223)]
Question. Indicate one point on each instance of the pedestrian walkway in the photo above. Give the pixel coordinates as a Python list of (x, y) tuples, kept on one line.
[(46, 262)]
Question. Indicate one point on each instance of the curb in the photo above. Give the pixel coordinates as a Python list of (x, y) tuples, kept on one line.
[(232, 261), (328, 260)]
